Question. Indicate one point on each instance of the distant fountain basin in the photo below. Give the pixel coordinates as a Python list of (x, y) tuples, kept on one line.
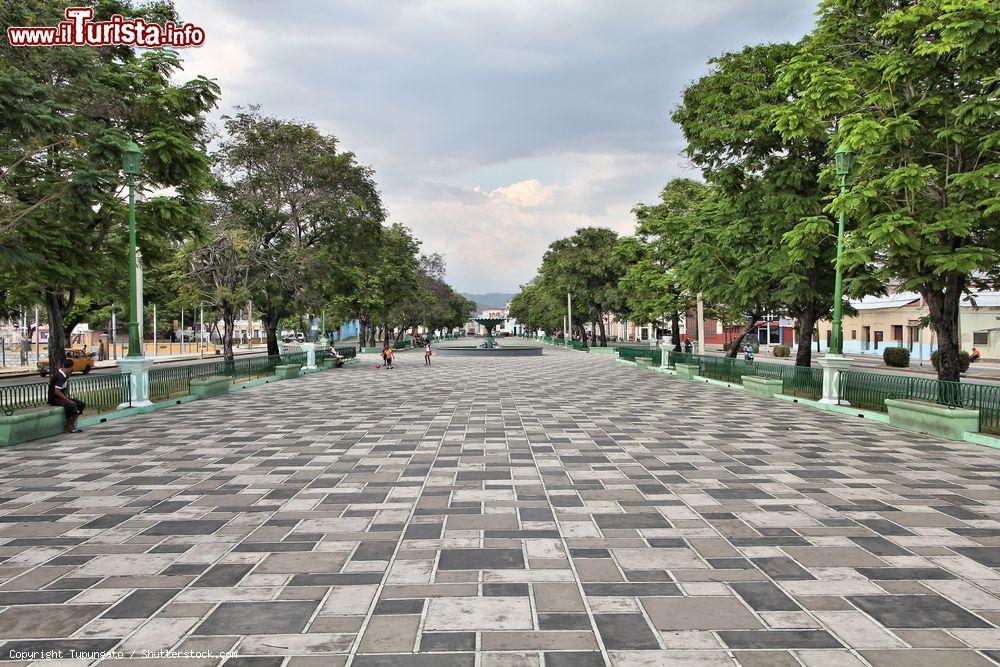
[(490, 347), (475, 351)]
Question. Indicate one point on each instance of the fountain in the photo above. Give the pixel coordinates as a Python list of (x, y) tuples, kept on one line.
[(489, 346), (490, 323)]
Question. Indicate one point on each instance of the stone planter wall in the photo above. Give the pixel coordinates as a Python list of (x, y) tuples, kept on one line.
[(761, 386), (215, 385), (925, 417), (31, 423), (687, 371), (288, 371)]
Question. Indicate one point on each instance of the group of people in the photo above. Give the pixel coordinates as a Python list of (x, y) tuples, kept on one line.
[(388, 354)]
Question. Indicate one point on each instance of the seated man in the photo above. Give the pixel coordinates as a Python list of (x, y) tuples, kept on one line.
[(976, 354), (59, 395), (337, 356)]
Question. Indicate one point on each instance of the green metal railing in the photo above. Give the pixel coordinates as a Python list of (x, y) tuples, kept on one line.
[(654, 354), (799, 381), (102, 393), (171, 382), (868, 391)]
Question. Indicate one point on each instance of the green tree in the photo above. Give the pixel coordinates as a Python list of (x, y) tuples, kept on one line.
[(538, 308), (65, 116), (912, 87), (655, 285), (311, 212), (584, 266), (769, 188)]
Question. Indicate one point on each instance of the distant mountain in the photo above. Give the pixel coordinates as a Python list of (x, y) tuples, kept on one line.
[(488, 300)]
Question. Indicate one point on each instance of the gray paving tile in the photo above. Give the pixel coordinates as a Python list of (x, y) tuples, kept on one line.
[(511, 510)]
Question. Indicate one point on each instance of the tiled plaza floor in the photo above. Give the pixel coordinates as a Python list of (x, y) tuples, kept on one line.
[(559, 511)]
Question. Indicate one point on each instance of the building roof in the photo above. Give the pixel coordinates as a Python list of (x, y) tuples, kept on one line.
[(982, 300), (898, 300)]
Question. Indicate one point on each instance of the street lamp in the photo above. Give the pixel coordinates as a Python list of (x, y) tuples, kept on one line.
[(844, 161), (131, 165), (835, 362)]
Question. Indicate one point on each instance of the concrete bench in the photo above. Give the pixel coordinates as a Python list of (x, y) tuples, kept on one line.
[(761, 386), (213, 385), (288, 371), (932, 418), (43, 421), (688, 371)]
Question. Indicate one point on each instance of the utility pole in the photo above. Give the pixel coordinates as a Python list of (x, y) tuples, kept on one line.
[(569, 313), (701, 325)]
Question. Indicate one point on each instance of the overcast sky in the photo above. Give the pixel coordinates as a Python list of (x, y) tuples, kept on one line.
[(494, 126)]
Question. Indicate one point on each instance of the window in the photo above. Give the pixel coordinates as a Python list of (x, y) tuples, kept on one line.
[(854, 334), (981, 338), (897, 332)]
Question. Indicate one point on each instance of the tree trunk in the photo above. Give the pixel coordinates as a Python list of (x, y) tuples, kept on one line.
[(943, 305), (604, 333), (227, 334), (675, 331), (272, 319), (807, 323), (55, 308), (751, 320)]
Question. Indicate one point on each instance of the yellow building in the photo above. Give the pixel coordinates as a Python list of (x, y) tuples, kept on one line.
[(894, 321)]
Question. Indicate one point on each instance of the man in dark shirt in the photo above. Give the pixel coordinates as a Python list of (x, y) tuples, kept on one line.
[(59, 395)]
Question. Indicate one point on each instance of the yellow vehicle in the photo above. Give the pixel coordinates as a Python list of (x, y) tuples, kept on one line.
[(82, 362)]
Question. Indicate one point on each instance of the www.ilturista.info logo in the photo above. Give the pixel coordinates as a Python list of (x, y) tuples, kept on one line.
[(79, 30)]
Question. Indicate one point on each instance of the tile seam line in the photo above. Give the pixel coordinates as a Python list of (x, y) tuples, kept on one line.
[(562, 539), (729, 651), (356, 644)]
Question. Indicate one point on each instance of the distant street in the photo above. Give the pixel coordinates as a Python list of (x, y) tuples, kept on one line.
[(984, 371), (102, 370)]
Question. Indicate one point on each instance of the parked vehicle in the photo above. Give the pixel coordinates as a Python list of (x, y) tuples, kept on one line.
[(83, 361)]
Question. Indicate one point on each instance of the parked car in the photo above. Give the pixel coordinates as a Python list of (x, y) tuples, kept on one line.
[(83, 361), (293, 338)]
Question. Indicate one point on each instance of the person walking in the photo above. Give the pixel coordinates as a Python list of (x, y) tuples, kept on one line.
[(427, 354), (59, 396), (387, 355)]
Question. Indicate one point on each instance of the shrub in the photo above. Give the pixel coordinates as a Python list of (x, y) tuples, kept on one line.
[(963, 360), (896, 356), (781, 351)]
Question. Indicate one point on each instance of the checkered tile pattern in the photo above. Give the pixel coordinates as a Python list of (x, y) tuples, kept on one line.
[(561, 511)]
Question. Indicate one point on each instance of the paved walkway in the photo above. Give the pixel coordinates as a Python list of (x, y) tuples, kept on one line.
[(559, 511)]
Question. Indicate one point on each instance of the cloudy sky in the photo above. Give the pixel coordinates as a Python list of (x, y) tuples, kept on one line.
[(494, 126)]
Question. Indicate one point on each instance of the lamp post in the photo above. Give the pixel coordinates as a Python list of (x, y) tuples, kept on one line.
[(131, 165), (834, 362), (135, 364), (844, 162)]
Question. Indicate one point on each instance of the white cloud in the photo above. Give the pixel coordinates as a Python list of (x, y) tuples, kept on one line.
[(523, 194), (494, 126)]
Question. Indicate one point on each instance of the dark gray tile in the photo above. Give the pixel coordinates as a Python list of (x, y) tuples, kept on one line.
[(764, 596), (778, 639), (625, 632), (481, 559), (257, 618), (447, 641), (916, 611)]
